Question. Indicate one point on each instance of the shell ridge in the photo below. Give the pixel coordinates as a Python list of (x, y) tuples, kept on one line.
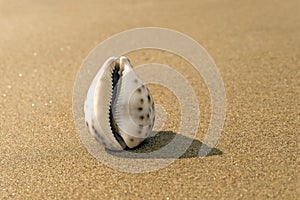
[(102, 96)]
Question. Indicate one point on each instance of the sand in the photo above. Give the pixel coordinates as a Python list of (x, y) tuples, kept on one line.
[(255, 45)]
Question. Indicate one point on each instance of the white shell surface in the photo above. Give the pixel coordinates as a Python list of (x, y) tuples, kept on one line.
[(133, 110)]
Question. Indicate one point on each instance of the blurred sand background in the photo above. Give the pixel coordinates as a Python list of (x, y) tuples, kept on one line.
[(256, 46)]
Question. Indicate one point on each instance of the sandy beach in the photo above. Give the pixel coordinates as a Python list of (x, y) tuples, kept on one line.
[(255, 45)]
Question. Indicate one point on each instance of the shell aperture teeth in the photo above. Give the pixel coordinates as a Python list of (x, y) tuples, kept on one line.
[(120, 104), (113, 124)]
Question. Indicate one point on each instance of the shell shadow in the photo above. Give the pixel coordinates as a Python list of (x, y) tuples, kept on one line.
[(162, 139)]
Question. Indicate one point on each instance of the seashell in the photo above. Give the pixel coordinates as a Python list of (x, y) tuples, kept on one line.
[(119, 110)]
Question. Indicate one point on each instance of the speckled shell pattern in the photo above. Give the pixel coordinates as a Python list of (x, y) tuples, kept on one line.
[(129, 102)]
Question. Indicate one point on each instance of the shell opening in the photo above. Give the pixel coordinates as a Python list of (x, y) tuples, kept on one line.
[(116, 74)]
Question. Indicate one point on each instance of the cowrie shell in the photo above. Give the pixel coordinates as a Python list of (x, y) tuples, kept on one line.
[(119, 109)]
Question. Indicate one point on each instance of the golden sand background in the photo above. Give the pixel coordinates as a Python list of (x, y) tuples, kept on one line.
[(255, 45)]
